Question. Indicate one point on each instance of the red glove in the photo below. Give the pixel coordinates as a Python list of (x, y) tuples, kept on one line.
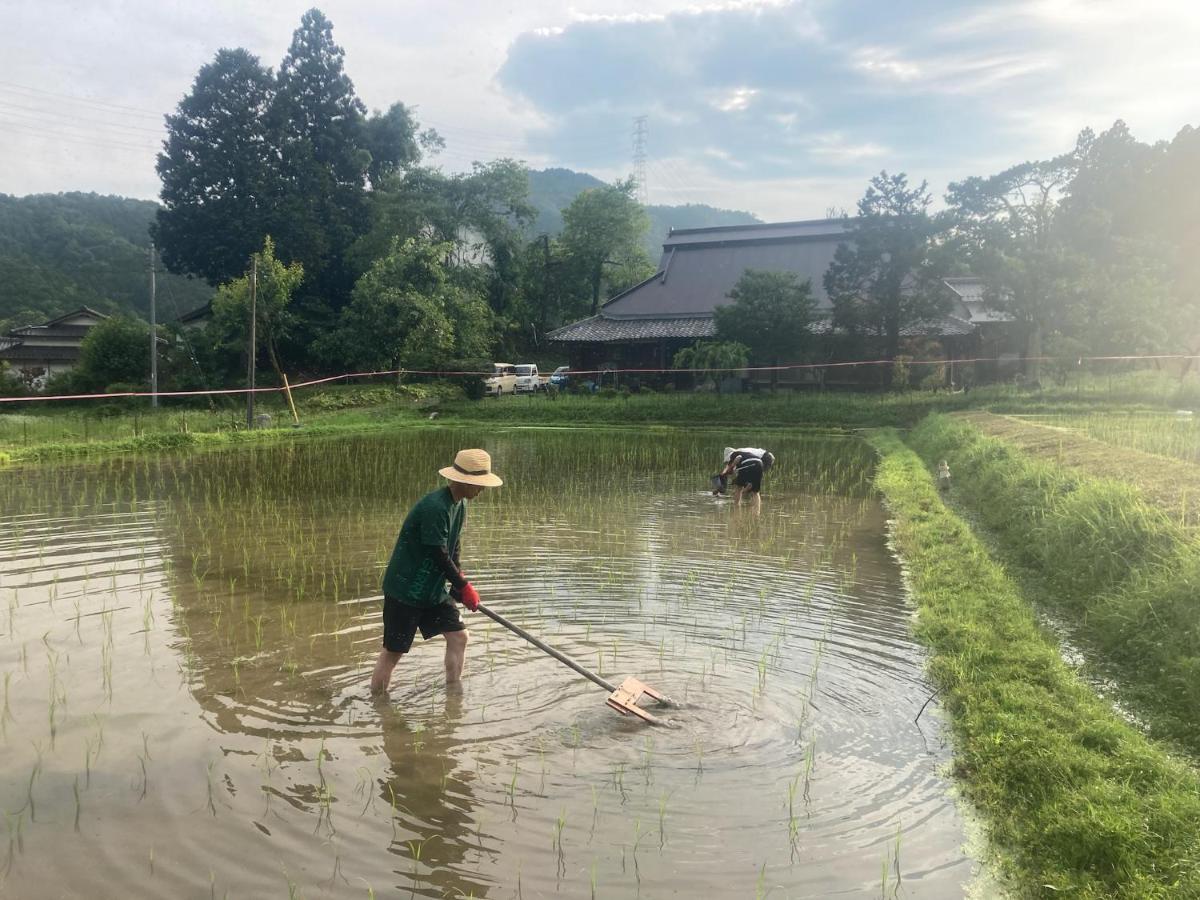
[(469, 597)]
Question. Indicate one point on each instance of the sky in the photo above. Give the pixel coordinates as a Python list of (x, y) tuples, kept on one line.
[(784, 108)]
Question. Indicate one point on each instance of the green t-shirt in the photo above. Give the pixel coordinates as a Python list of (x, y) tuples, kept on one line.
[(413, 575)]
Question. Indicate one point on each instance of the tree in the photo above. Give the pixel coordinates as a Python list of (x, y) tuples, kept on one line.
[(321, 131), (114, 351), (409, 311), (394, 142), (274, 285), (882, 281), (771, 314), (218, 170), (1006, 228), (712, 357), (1174, 191), (603, 228), (249, 155)]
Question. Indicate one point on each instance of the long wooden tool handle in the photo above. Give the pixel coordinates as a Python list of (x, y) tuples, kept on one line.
[(542, 645)]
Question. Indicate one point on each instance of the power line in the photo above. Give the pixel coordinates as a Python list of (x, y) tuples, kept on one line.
[(73, 139), (71, 98), (71, 119)]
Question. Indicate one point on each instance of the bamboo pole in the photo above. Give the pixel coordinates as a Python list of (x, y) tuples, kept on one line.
[(287, 389)]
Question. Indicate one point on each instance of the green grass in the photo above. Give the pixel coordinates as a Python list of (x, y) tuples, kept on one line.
[(1119, 569), (113, 424), (1077, 802), (1164, 434)]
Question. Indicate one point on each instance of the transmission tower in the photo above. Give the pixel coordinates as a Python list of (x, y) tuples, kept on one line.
[(639, 158)]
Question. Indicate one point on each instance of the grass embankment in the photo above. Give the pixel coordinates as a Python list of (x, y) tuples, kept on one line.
[(1077, 802), (1122, 571)]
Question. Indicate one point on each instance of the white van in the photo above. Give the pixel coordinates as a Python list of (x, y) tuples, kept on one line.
[(528, 379), (502, 381)]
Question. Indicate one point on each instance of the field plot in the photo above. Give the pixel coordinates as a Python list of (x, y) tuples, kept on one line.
[(1156, 453), (186, 641)]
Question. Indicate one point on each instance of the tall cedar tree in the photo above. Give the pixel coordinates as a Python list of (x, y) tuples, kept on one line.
[(218, 170), (321, 128), (249, 155), (883, 280)]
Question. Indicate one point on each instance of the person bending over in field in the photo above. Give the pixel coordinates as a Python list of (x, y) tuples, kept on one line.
[(424, 560), (747, 467)]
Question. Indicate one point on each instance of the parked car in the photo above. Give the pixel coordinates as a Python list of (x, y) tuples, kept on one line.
[(502, 381), (560, 377), (528, 379)]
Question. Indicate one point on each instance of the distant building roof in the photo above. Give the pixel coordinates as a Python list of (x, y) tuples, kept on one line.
[(82, 311), (819, 229), (195, 315), (22, 352), (52, 331), (24, 344), (700, 266), (970, 294), (599, 329)]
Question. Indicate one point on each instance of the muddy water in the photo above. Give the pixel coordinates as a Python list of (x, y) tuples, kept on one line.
[(186, 643)]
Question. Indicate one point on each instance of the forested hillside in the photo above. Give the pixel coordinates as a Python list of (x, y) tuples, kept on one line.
[(62, 251), (551, 190)]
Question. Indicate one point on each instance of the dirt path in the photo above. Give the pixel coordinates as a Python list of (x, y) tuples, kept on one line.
[(1172, 485)]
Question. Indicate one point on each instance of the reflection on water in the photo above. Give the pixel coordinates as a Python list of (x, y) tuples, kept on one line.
[(186, 644)]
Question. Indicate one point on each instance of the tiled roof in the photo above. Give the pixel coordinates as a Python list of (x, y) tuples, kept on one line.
[(26, 352), (772, 231), (600, 329), (970, 294), (52, 331), (195, 315), (949, 326), (967, 287)]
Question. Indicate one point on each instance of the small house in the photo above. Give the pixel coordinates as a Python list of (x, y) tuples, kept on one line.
[(36, 352)]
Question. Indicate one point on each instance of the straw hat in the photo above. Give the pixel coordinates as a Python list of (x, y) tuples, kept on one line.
[(472, 467)]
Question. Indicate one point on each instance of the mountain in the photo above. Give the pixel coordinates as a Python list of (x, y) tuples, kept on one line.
[(551, 190), (62, 251)]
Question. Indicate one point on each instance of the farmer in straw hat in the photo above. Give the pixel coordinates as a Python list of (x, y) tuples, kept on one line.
[(424, 560)]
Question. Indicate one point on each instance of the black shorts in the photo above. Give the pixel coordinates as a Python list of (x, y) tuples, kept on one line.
[(401, 621), (749, 473)]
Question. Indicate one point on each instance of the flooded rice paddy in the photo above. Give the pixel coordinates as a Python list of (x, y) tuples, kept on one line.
[(186, 642)]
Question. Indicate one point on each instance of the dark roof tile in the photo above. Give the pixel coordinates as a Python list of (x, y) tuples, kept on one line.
[(601, 329), (22, 352)]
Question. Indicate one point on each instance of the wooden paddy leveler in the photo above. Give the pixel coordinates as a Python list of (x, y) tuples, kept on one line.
[(624, 698)]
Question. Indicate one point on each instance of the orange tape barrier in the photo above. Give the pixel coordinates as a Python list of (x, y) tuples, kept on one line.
[(574, 373)]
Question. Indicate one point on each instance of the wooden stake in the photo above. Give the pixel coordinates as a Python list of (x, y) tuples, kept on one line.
[(287, 389)]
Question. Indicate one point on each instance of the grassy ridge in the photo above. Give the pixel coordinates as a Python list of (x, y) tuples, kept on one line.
[(1077, 802), (1117, 566)]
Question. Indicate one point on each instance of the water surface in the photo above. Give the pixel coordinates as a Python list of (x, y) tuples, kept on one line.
[(186, 643)]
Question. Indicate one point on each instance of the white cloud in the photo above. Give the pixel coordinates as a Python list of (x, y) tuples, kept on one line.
[(735, 100)]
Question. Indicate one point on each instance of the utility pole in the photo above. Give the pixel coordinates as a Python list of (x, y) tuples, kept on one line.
[(250, 354), (545, 280), (153, 337), (639, 158)]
